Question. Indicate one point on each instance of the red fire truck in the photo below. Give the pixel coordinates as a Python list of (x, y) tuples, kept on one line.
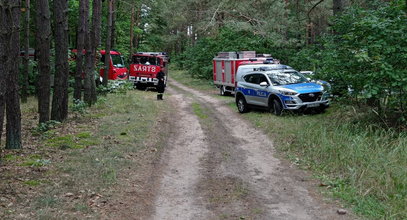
[(145, 66), (117, 69), (225, 66)]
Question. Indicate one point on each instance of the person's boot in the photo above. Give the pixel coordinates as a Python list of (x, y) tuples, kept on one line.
[(161, 96), (158, 97)]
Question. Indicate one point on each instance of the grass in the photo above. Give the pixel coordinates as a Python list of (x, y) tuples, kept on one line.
[(77, 141), (182, 77), (198, 111), (362, 164), (91, 157), (359, 162), (32, 182)]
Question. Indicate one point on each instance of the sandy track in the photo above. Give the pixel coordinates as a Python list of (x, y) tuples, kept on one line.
[(221, 167)]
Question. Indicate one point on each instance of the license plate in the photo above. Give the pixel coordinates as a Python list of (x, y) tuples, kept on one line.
[(313, 105)]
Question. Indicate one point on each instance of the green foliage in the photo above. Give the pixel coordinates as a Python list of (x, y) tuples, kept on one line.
[(35, 163), (367, 56), (358, 162), (32, 182), (43, 127), (198, 59), (115, 87), (365, 59), (79, 106), (32, 76)]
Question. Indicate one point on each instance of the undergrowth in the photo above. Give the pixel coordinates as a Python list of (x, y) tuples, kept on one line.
[(361, 163), (356, 157)]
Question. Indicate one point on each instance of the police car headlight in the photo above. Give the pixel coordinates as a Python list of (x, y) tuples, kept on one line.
[(325, 85), (287, 93)]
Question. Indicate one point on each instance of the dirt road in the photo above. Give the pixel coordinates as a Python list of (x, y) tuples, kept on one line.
[(218, 166)]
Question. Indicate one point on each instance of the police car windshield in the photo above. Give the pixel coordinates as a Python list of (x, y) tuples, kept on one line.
[(286, 77)]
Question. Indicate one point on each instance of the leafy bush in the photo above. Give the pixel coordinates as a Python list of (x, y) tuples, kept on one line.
[(364, 58)]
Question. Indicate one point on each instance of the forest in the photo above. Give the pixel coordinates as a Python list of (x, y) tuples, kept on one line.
[(358, 46)]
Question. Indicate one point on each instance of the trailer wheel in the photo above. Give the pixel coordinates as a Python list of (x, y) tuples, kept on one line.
[(242, 105), (277, 108), (223, 92)]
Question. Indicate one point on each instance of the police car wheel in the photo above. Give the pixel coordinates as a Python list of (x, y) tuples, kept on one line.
[(277, 107), (242, 105)]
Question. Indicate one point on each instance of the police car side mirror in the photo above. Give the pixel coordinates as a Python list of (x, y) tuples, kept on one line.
[(264, 84)]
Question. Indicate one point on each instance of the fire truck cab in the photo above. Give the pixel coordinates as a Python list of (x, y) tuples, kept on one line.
[(117, 69), (145, 66)]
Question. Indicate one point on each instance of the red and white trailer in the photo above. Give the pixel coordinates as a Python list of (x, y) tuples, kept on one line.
[(226, 64)]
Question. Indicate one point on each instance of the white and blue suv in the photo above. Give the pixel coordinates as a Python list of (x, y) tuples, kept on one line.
[(277, 89)]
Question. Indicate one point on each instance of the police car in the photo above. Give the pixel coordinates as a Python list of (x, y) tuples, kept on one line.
[(279, 89)]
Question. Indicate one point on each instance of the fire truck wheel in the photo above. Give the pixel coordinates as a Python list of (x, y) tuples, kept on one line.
[(242, 105), (140, 87)]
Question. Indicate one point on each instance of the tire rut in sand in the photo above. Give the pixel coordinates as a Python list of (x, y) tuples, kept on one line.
[(176, 198), (243, 178)]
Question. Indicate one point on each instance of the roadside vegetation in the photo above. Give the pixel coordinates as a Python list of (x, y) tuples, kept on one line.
[(74, 169), (363, 56), (357, 161)]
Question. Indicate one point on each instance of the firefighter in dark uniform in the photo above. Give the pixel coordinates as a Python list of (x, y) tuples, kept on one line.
[(161, 85)]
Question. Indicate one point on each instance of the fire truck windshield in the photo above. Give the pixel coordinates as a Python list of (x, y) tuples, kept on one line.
[(117, 60), (146, 60)]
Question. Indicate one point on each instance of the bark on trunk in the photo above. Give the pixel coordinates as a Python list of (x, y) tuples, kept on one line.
[(95, 39), (89, 63), (60, 98), (108, 41), (10, 42), (24, 90), (114, 16), (43, 54), (337, 7), (131, 31), (2, 105), (4, 32), (80, 47)]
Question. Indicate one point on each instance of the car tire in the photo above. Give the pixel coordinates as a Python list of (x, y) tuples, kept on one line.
[(242, 105), (321, 109), (277, 107)]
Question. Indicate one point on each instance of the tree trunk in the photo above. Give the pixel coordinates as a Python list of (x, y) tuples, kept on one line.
[(131, 31), (95, 39), (2, 105), (4, 39), (9, 54), (24, 90), (89, 61), (60, 98), (137, 23), (43, 54), (337, 7), (108, 42), (80, 48), (114, 16)]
